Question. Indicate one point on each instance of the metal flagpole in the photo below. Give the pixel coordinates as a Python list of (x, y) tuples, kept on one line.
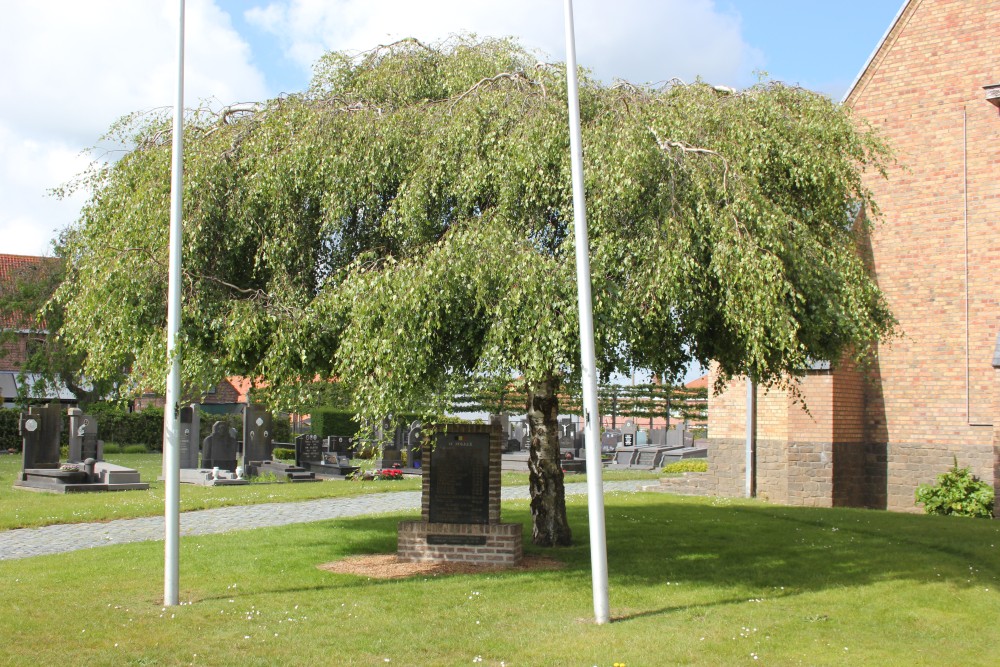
[(591, 418), (751, 436), (171, 412)]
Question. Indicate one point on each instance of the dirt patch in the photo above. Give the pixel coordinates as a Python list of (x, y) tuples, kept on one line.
[(388, 566)]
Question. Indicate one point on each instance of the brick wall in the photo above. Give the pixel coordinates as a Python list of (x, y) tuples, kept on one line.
[(12, 354), (931, 394)]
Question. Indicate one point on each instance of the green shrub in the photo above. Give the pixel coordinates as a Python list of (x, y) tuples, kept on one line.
[(957, 492), (332, 421), (135, 449), (691, 465), (9, 439), (112, 448), (283, 454), (114, 424)]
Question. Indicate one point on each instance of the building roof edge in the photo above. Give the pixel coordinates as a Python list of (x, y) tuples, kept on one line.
[(878, 47)]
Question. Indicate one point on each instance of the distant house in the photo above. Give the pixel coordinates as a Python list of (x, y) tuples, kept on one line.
[(21, 332), (229, 396), (931, 396)]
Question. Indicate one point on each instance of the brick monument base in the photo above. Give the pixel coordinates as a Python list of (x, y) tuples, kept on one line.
[(476, 544), (461, 501)]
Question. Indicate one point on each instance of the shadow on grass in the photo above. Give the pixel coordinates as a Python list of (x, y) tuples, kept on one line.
[(743, 550)]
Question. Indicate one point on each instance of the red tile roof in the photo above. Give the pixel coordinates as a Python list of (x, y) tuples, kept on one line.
[(699, 383), (12, 266)]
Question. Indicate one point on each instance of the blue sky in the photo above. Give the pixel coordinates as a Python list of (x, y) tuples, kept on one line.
[(72, 67)]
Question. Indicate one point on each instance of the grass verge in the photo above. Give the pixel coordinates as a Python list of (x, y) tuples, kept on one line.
[(692, 582), (26, 509)]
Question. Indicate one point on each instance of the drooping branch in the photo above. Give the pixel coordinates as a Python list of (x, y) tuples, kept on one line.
[(667, 144), (518, 78)]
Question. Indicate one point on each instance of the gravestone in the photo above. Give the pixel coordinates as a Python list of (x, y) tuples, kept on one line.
[(257, 445), (83, 442), (308, 449), (414, 445), (460, 478), (610, 440), (658, 436), (516, 440), (219, 448), (42, 471), (461, 501), (189, 436), (188, 439), (628, 434), (40, 429), (340, 444), (526, 438)]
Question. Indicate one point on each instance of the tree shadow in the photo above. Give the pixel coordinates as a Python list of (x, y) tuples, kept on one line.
[(750, 549)]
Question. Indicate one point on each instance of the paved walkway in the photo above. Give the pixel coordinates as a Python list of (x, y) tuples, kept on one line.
[(27, 542)]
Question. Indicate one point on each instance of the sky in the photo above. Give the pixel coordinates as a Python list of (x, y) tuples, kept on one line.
[(71, 68)]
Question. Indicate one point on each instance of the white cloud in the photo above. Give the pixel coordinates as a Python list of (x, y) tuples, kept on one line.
[(640, 40), (71, 68)]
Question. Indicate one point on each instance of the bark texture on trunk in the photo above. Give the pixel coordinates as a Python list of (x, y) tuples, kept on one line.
[(548, 495)]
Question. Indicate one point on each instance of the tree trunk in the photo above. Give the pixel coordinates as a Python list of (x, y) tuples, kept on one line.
[(548, 495)]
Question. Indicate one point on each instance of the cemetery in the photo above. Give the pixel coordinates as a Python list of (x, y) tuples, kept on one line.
[(84, 471), (396, 238)]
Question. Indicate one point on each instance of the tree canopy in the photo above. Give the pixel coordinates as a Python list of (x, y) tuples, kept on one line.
[(405, 226)]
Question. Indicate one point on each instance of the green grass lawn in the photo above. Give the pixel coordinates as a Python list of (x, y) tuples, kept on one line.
[(692, 582), (24, 509)]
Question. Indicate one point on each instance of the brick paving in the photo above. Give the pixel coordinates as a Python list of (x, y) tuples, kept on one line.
[(28, 542)]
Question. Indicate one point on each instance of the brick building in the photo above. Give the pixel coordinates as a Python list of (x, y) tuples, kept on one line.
[(932, 393), (21, 331)]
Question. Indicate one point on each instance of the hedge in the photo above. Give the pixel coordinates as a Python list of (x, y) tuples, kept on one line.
[(134, 428), (333, 421), (9, 439)]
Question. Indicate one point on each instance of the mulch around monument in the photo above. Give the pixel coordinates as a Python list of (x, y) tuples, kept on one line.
[(389, 566)]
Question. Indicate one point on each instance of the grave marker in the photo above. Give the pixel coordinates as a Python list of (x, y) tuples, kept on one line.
[(628, 434), (461, 501), (40, 429), (219, 448), (308, 449), (257, 446)]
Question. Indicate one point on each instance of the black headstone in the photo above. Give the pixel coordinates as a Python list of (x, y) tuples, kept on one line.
[(414, 443), (460, 478), (83, 443), (219, 448), (256, 434), (308, 449), (190, 428), (40, 429)]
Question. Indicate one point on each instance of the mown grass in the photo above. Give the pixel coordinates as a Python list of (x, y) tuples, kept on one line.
[(692, 582), (21, 509), (26, 509)]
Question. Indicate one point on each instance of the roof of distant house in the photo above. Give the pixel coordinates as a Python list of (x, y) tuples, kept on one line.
[(12, 266), (698, 383)]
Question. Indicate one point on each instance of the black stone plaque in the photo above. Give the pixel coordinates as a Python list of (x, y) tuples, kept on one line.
[(460, 479), (463, 540), (628, 439), (308, 449)]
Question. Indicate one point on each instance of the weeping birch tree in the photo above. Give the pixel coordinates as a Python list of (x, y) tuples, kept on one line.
[(405, 226)]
